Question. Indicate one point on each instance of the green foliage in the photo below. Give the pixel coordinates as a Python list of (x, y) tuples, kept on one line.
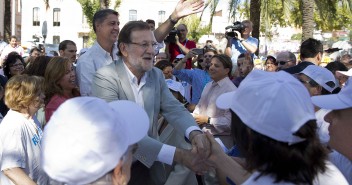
[(89, 7), (297, 36), (195, 29)]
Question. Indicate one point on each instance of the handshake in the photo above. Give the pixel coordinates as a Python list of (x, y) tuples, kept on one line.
[(203, 155)]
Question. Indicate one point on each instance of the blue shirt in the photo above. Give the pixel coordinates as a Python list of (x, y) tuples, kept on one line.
[(237, 48), (197, 78)]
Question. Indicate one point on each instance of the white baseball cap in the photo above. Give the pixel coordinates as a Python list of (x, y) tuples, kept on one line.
[(180, 56), (346, 73), (342, 100), (322, 76), (175, 86), (273, 104), (86, 138)]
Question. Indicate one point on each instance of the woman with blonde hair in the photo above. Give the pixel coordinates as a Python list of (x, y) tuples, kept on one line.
[(20, 133), (60, 84)]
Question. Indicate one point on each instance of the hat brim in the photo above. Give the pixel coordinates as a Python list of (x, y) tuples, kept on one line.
[(224, 101), (332, 101), (346, 73), (136, 124)]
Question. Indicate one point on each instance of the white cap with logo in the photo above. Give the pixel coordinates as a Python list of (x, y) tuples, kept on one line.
[(273, 104)]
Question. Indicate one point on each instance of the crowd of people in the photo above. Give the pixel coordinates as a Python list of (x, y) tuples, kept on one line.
[(142, 106)]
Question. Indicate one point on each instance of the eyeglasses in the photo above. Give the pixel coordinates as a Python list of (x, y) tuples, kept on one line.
[(208, 56), (16, 65), (282, 62), (146, 45)]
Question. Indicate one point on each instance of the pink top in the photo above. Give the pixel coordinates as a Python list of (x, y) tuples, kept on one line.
[(53, 104)]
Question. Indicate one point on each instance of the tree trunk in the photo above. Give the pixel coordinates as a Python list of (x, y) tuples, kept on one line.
[(307, 19), (104, 4), (7, 21), (255, 18)]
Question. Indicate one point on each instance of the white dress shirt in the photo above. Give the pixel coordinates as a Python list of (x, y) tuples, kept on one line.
[(92, 60)]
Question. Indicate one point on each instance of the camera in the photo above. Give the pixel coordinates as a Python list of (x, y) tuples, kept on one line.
[(171, 38), (237, 26)]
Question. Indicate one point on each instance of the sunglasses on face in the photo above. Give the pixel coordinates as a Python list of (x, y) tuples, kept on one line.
[(283, 62), (200, 60)]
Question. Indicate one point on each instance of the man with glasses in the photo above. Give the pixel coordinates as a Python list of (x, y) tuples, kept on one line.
[(197, 77), (181, 46), (134, 78), (285, 59)]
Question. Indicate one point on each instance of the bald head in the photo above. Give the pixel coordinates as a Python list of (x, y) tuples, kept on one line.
[(285, 59)]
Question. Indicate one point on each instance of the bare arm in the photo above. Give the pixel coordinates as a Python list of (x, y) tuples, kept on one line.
[(182, 9), (182, 63), (226, 166), (18, 177), (250, 48)]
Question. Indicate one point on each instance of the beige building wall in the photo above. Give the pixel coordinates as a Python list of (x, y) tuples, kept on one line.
[(2, 13)]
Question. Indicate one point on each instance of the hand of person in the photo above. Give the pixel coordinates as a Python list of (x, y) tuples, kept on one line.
[(191, 160), (177, 40), (200, 119), (200, 144), (187, 7), (239, 36), (216, 152), (191, 54)]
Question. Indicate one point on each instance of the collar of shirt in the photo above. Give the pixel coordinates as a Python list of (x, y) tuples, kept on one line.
[(136, 88), (99, 50), (221, 82)]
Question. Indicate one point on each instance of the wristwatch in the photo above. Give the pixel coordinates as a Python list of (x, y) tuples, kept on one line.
[(172, 21)]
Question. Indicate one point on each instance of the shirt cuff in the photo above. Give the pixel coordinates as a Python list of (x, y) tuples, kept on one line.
[(166, 154), (190, 129)]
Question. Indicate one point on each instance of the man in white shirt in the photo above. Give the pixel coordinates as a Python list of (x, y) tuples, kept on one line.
[(13, 46)]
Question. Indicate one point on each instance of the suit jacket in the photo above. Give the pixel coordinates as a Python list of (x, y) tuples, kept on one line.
[(112, 83)]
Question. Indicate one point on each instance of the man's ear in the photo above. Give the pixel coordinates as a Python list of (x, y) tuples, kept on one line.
[(319, 57), (123, 49), (61, 52)]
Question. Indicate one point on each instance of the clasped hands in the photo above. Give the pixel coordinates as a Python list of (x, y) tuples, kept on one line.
[(201, 158)]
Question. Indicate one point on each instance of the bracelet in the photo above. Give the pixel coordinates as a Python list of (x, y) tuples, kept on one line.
[(172, 21), (241, 40), (208, 119)]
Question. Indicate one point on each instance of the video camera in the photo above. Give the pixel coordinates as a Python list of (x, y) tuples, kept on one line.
[(171, 38), (237, 26)]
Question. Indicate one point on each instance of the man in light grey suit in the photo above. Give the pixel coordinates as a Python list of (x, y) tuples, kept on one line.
[(134, 78)]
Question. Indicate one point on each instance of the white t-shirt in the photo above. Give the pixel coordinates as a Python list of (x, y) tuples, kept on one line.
[(20, 146), (343, 164), (331, 176)]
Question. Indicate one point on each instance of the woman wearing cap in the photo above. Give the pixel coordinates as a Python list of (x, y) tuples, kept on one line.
[(276, 135), (60, 84), (20, 133), (270, 64)]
